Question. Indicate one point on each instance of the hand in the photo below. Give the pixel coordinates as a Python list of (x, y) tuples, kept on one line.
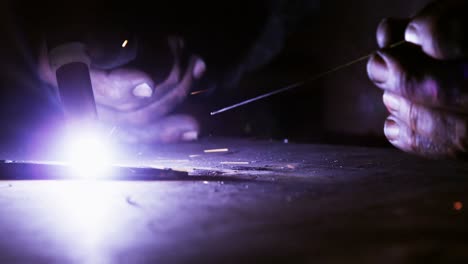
[(425, 80), (130, 100)]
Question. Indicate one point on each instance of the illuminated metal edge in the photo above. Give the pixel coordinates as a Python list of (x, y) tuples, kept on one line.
[(30, 170)]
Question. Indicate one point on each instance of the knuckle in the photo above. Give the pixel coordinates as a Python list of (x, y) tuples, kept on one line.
[(429, 148), (383, 32), (460, 135), (413, 117), (447, 139), (402, 78), (408, 83)]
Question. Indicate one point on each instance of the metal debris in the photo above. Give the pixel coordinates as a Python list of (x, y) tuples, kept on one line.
[(216, 150)]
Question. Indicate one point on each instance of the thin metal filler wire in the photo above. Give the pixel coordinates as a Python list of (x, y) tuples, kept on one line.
[(300, 83)]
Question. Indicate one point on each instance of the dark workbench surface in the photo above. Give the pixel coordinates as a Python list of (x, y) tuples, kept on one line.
[(291, 204)]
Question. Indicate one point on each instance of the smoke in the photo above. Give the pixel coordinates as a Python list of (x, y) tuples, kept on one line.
[(281, 20)]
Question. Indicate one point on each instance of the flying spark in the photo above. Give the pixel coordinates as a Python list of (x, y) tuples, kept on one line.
[(124, 44), (199, 92), (216, 150)]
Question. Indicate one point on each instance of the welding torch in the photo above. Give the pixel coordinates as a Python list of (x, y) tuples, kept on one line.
[(70, 63)]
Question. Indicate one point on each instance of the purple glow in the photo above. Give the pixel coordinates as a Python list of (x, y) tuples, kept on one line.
[(85, 210), (87, 152)]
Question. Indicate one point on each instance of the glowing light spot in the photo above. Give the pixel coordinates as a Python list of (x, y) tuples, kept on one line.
[(234, 163), (124, 44), (87, 152), (457, 206), (216, 150), (199, 92)]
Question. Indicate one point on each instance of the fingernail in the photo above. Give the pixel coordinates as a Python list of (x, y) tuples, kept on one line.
[(412, 35), (190, 136), (199, 69), (378, 69), (392, 102), (143, 90), (391, 129)]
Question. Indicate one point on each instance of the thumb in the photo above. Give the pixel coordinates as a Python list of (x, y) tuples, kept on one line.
[(440, 30)]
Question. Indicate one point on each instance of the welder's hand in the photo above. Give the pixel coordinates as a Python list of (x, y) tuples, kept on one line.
[(425, 81), (129, 99)]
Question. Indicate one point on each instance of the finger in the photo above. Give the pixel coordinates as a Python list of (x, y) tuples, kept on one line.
[(127, 89), (408, 72), (390, 31), (176, 44), (158, 108), (440, 30), (442, 127), (122, 89), (402, 137), (171, 129)]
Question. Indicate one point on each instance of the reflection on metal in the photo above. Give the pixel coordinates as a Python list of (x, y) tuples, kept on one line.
[(53, 170)]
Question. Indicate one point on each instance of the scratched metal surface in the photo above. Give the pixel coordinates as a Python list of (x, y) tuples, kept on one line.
[(291, 203)]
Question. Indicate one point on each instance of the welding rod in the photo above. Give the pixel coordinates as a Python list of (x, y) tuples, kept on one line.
[(298, 84)]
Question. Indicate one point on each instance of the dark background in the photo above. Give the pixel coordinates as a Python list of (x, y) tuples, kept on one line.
[(250, 47)]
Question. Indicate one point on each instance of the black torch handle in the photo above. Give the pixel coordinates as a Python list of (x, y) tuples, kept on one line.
[(76, 92)]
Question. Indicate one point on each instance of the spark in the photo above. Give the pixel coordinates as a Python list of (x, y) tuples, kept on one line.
[(216, 150), (199, 92), (124, 44), (235, 162), (457, 206)]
